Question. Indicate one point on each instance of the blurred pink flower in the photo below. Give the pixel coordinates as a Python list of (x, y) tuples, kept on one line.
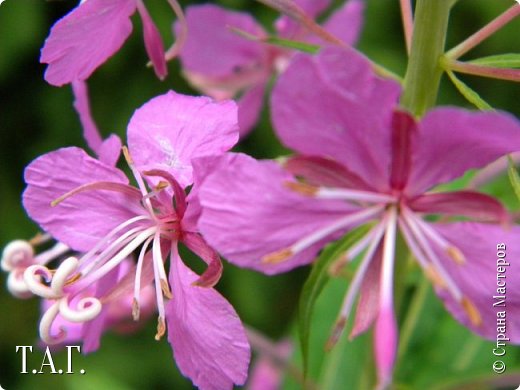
[(89, 205), (222, 64), (362, 160), (92, 32)]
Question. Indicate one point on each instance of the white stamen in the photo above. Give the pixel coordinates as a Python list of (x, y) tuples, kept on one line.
[(355, 195), (387, 270), (33, 279), (54, 252), (409, 219), (111, 249), (329, 229), (118, 258), (17, 286), (46, 324), (110, 236), (157, 276), (15, 254), (137, 283), (448, 248), (64, 271), (87, 309), (355, 285)]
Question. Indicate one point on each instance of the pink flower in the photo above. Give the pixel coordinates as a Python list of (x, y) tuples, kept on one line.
[(92, 32), (222, 64), (96, 212), (362, 160)]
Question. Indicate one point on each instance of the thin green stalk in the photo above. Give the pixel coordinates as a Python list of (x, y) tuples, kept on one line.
[(412, 316), (424, 73)]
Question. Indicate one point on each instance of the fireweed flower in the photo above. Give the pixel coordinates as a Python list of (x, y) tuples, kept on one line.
[(360, 159), (228, 65), (96, 212), (95, 30)]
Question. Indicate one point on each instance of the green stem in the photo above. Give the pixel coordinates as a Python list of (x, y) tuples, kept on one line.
[(424, 73), (412, 317)]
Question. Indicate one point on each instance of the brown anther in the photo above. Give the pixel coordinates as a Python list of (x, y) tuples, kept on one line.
[(337, 266), (166, 289), (336, 333), (472, 311), (161, 328), (435, 277), (278, 256), (161, 186), (135, 310), (126, 153), (38, 239), (302, 188), (456, 255), (72, 280)]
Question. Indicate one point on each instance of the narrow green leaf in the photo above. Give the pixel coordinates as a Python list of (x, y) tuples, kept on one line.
[(514, 177), (273, 40), (315, 283), (509, 60), (290, 44), (470, 95)]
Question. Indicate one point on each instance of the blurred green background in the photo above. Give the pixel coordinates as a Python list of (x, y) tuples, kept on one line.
[(36, 118)]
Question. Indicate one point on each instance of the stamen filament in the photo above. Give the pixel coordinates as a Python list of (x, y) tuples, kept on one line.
[(137, 283), (355, 285), (316, 236), (46, 324), (88, 308), (451, 250)]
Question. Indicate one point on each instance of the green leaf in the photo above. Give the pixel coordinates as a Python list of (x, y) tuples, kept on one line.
[(273, 40), (509, 60), (315, 283), (470, 95), (296, 45), (514, 177)]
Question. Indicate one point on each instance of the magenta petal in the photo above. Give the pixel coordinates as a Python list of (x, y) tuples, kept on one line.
[(351, 116), (153, 42), (346, 22), (212, 50), (197, 245), (110, 150), (478, 278), (462, 203), (368, 303), (322, 171), (85, 38), (249, 108), (248, 213), (464, 139), (82, 106), (385, 345), (209, 343), (81, 220), (170, 130)]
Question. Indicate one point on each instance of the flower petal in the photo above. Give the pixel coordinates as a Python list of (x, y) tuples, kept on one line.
[(81, 220), (464, 139), (248, 213), (462, 203), (226, 53), (85, 38), (153, 42), (351, 112), (346, 22), (479, 280), (170, 130), (209, 343), (249, 108)]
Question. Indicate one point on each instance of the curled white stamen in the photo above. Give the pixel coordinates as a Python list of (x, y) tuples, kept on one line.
[(46, 324), (17, 286), (57, 250), (87, 309), (33, 279), (64, 271), (15, 254), (137, 282)]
